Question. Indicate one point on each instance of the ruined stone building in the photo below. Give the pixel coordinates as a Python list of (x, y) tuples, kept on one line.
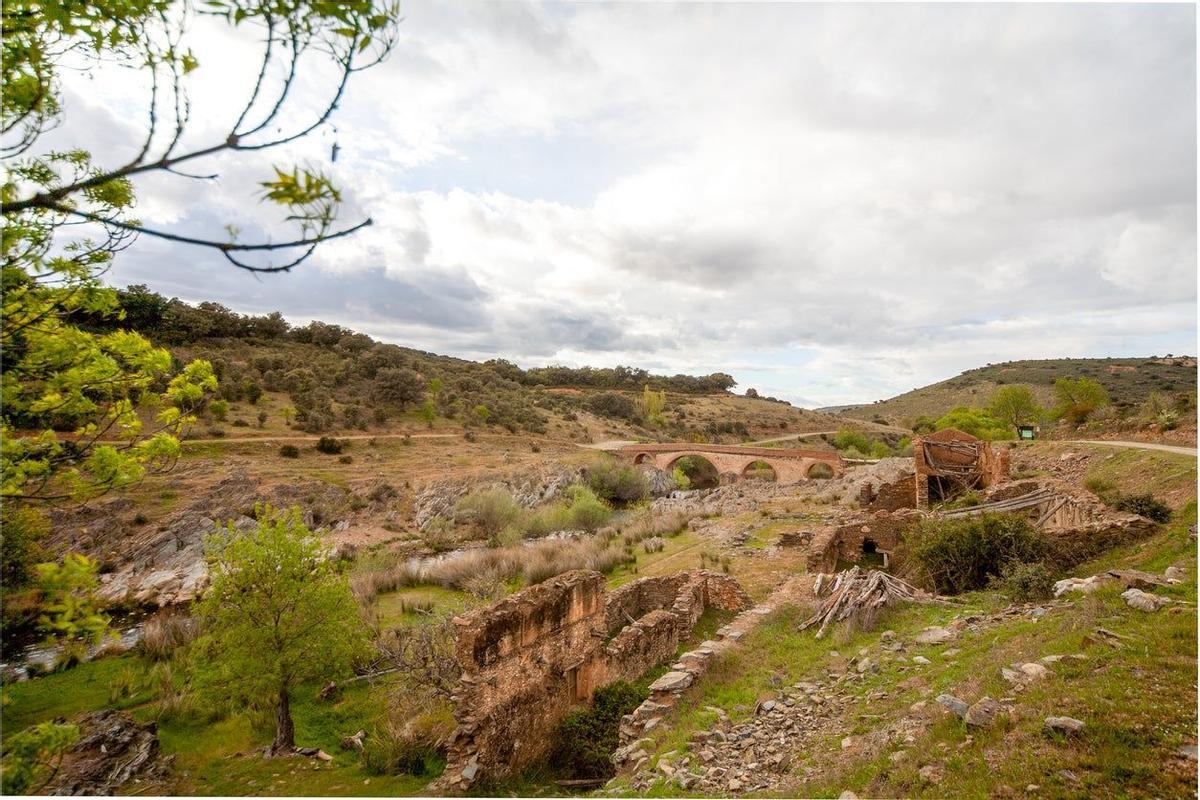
[(950, 462), (537, 654)]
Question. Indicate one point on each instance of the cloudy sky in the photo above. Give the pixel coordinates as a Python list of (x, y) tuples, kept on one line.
[(832, 203)]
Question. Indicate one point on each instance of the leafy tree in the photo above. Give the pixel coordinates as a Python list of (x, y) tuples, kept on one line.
[(1076, 399), (847, 439), (71, 614), (19, 548), (278, 613), (219, 409), (45, 192), (399, 385), (1015, 406), (429, 413), (32, 757), (976, 422), (653, 404), (482, 413), (612, 404)]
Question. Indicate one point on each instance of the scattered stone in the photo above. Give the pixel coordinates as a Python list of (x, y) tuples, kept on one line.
[(734, 785), (1068, 776), (950, 652), (898, 756), (930, 773), (1174, 574), (953, 704), (921, 660), (1136, 579), (1067, 725), (1085, 585), (983, 713), (847, 742), (1034, 672), (1186, 751), (672, 682), (847, 795), (934, 635), (1136, 598)]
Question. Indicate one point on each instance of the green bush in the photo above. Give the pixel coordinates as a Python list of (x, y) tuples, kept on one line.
[(585, 739), (330, 445), (612, 404), (618, 483), (847, 439), (289, 451), (1103, 488), (1026, 582), (976, 422), (1146, 505), (493, 509), (588, 511), (961, 555)]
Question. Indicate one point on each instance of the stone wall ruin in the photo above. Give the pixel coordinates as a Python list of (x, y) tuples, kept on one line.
[(533, 656)]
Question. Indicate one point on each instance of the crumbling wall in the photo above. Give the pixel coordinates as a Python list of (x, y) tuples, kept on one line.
[(959, 458), (895, 495), (845, 542), (533, 656)]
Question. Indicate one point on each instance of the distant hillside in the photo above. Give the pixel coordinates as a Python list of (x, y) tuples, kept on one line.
[(322, 378), (1129, 382)]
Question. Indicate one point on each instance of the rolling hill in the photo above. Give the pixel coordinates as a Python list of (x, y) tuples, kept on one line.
[(1129, 382)]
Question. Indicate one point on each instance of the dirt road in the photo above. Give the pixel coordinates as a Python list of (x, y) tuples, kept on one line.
[(1166, 448)]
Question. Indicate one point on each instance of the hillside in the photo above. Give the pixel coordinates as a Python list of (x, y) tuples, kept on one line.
[(325, 379), (1129, 382)]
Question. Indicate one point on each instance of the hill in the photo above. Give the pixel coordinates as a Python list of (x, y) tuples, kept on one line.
[(325, 379), (1129, 382)]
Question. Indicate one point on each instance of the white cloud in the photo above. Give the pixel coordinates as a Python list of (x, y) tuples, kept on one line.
[(895, 192)]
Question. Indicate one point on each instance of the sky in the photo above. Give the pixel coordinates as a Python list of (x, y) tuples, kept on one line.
[(832, 203)]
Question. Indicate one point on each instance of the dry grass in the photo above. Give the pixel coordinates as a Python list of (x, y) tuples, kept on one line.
[(165, 632)]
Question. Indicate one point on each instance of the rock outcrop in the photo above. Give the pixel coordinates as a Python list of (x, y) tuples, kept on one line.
[(112, 752)]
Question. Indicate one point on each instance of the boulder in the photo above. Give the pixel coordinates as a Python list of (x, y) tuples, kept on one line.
[(1067, 725), (983, 713), (672, 682), (953, 704), (1136, 598), (934, 635), (112, 751)]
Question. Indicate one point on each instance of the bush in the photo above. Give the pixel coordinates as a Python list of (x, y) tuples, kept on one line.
[(961, 555), (1146, 505), (289, 451), (493, 509), (1026, 583), (588, 511), (612, 404), (330, 445), (618, 483), (846, 439), (166, 632), (585, 739), (346, 460), (1103, 488)]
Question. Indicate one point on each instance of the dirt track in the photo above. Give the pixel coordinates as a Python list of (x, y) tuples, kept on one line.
[(1166, 448)]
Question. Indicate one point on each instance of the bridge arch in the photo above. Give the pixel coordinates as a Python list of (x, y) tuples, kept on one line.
[(643, 458), (759, 469), (818, 471), (703, 472)]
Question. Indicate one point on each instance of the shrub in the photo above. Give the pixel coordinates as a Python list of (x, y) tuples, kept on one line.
[(1026, 582), (682, 481), (548, 519), (493, 509), (218, 409), (585, 739), (346, 460), (330, 445), (164, 633), (1146, 505), (654, 545), (588, 511), (289, 451), (846, 439), (618, 483), (960, 555), (408, 743), (612, 404), (1103, 488)]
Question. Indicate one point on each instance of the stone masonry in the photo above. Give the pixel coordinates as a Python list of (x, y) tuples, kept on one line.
[(535, 655)]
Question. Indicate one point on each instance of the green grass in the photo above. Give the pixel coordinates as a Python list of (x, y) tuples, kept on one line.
[(1138, 702), (223, 757), (1145, 471), (415, 604)]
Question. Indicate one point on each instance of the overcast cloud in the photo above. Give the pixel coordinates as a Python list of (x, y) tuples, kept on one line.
[(832, 203)]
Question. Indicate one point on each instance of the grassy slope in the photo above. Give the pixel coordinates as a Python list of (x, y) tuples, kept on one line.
[(1128, 380)]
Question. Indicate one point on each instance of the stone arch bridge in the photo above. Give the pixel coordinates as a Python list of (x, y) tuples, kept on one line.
[(791, 465)]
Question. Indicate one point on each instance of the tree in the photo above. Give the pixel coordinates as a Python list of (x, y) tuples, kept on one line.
[(399, 385), (653, 404), (1076, 399), (976, 422), (278, 613), (428, 413), (1015, 406), (71, 612), (32, 757), (482, 413), (64, 187)]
